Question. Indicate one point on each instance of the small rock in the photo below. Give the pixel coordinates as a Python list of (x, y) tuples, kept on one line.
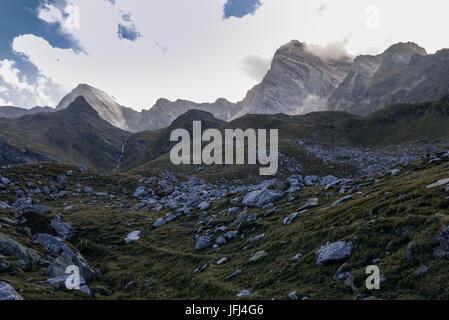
[(222, 261), (296, 257), (258, 255), (133, 236), (244, 293), (234, 274), (293, 296)]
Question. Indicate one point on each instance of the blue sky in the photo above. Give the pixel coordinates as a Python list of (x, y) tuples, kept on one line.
[(199, 50)]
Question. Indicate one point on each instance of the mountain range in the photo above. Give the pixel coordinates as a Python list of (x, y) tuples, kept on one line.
[(300, 80)]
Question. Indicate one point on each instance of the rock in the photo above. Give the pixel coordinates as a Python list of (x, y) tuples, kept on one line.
[(4, 181), (140, 191), (442, 251), (234, 274), (334, 252), (62, 181), (291, 217), (8, 293), (203, 242), (231, 234), (38, 209), (62, 228), (12, 247), (203, 268), (410, 251), (62, 279), (258, 255), (421, 271), (256, 238), (260, 198), (133, 236), (244, 293), (447, 188), (344, 199), (204, 205), (69, 173), (395, 172), (293, 296), (130, 285), (439, 183), (65, 256), (296, 257), (4, 205), (82, 168), (312, 202), (159, 223), (220, 241), (222, 261)]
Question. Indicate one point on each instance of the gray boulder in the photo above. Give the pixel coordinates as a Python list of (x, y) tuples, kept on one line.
[(203, 242), (62, 228), (65, 255), (334, 252), (133, 236), (260, 198), (8, 293)]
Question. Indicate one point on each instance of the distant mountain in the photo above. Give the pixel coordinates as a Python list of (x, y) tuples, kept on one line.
[(100, 101), (298, 82), (15, 112), (76, 134), (302, 80), (404, 73)]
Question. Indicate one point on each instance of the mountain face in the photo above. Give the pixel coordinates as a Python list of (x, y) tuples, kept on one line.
[(76, 134), (404, 73), (100, 101), (15, 112), (298, 82)]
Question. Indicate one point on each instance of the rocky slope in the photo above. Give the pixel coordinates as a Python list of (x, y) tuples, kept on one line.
[(161, 236), (14, 112), (76, 134), (298, 82), (404, 73)]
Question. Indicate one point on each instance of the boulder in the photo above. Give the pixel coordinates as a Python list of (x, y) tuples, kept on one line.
[(258, 255), (133, 236), (260, 198), (62, 228), (65, 255), (8, 293), (439, 183), (203, 242), (334, 252), (140, 191)]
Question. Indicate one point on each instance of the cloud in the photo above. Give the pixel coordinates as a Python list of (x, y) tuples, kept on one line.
[(127, 29), (240, 8), (15, 87), (66, 16), (331, 52), (256, 67)]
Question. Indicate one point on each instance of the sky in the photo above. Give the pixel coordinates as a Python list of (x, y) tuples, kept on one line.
[(199, 50)]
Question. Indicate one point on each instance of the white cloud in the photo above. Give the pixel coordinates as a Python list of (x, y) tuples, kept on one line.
[(256, 67), (67, 17), (15, 88), (10, 76)]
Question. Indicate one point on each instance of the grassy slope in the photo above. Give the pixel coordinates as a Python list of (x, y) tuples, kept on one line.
[(162, 261)]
